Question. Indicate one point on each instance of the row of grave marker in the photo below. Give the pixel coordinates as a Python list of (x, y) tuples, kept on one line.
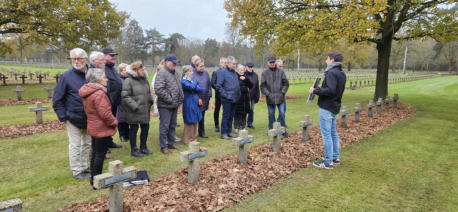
[(19, 90), (40, 78), (117, 174)]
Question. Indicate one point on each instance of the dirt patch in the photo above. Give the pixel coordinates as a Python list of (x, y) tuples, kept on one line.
[(30, 129), (224, 182), (10, 102)]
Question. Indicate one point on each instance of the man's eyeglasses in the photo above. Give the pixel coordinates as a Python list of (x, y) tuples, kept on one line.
[(272, 62)]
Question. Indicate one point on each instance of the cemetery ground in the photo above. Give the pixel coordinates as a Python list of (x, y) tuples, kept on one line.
[(408, 166)]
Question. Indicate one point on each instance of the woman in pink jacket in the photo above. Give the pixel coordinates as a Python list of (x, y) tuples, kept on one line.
[(101, 124)]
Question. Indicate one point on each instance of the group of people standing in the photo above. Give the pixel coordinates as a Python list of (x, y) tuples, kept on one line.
[(94, 100)]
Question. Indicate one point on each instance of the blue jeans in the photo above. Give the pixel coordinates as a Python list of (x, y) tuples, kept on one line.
[(282, 107), (251, 115), (281, 114), (329, 135), (228, 117)]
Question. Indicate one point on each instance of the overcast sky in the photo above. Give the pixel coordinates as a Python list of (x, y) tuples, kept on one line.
[(193, 18)]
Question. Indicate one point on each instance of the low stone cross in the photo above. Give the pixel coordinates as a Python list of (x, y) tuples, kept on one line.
[(395, 100), (40, 78), (31, 75), (387, 103), (23, 77), (242, 143), (19, 91), (57, 77), (38, 109), (3, 77), (360, 83), (357, 110), (276, 132), (379, 106), (343, 114), (12, 205), (15, 76), (113, 180), (305, 124), (351, 84), (49, 90), (192, 157), (369, 108)]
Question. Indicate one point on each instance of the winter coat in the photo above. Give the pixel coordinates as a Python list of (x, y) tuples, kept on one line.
[(243, 106), (332, 88), (114, 86), (203, 79), (214, 79), (168, 89), (227, 84), (191, 109), (100, 121), (136, 98), (254, 89), (66, 102), (120, 108), (274, 85)]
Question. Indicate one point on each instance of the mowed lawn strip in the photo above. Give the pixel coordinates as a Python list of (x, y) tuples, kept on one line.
[(411, 166)]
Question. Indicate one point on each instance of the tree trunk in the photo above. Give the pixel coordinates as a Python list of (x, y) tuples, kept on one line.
[(383, 64)]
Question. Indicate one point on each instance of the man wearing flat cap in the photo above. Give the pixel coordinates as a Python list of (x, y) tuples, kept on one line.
[(254, 92), (274, 86), (114, 85), (169, 97)]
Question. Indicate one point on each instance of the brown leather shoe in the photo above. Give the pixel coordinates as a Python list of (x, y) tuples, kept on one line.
[(165, 151), (203, 136), (173, 147)]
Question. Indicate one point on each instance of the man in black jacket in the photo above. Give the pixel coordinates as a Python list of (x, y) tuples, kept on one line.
[(330, 99), (254, 92), (222, 65)]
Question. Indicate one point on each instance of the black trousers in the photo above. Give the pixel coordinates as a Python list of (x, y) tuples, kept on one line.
[(240, 121), (217, 109), (123, 129), (99, 150), (133, 136), (201, 128)]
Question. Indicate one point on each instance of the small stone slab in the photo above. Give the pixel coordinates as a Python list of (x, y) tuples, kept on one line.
[(12, 205), (241, 142), (192, 157), (305, 124), (275, 133), (343, 114), (38, 109), (357, 111)]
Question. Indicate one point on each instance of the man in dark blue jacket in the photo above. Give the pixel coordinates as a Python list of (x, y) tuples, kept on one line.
[(202, 77), (228, 86), (68, 106), (330, 100)]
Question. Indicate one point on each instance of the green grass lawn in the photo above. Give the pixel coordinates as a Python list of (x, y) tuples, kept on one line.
[(409, 166), (53, 71)]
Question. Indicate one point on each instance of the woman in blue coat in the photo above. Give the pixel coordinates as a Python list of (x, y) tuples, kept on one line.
[(191, 108)]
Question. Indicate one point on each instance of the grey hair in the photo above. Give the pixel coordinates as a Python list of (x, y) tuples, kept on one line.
[(78, 51), (222, 59), (231, 59), (187, 68), (240, 66), (194, 58), (278, 61), (199, 61), (94, 55), (94, 74)]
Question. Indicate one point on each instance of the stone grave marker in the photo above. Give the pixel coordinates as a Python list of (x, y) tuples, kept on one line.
[(192, 157), (242, 143), (343, 114), (38, 109), (49, 90), (113, 179), (305, 124), (15, 76), (351, 84), (276, 132), (395, 100), (57, 76), (379, 106), (23, 77), (31, 75), (357, 110), (40, 78), (3, 77), (360, 83), (369, 108), (12, 205), (19, 91), (387, 103)]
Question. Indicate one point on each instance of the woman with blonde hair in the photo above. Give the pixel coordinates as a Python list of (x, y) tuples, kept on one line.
[(137, 101)]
